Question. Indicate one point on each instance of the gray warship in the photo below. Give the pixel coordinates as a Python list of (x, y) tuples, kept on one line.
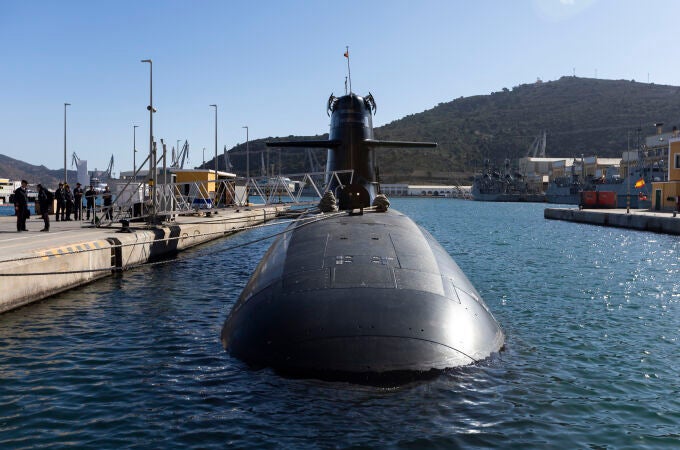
[(493, 186)]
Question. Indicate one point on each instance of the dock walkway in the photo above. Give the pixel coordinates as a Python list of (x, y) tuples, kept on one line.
[(637, 219), (35, 265)]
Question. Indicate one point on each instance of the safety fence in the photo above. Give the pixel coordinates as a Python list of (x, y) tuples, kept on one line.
[(141, 201)]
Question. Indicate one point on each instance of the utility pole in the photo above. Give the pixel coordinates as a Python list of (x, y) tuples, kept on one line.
[(134, 150)]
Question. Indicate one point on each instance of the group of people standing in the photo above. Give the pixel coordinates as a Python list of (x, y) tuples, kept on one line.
[(68, 202), (71, 201)]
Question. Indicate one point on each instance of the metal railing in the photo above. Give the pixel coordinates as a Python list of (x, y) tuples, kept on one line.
[(134, 200)]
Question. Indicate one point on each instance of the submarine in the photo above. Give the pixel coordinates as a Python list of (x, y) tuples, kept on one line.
[(362, 290)]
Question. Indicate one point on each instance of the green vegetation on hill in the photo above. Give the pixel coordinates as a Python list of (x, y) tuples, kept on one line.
[(580, 115)]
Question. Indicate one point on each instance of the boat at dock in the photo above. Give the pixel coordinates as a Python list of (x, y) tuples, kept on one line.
[(358, 291), (633, 191), (7, 188), (493, 186)]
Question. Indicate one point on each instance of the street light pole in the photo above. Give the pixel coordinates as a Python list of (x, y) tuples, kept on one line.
[(152, 162), (628, 171), (216, 176), (65, 174), (247, 155), (134, 151), (215, 106)]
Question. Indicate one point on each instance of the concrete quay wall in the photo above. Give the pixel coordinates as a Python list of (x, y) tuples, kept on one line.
[(48, 270), (52, 271), (142, 246), (636, 220)]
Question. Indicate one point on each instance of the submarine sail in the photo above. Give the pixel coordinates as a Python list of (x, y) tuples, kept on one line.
[(364, 290)]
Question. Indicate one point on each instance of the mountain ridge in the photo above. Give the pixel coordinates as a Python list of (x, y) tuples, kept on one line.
[(580, 116)]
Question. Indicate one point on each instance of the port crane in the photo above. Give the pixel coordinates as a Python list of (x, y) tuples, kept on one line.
[(227, 162), (537, 148), (178, 158)]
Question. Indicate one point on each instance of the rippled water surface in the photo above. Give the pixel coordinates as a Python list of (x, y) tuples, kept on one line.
[(592, 360)]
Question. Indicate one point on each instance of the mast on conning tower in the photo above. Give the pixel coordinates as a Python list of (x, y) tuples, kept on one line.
[(349, 73)]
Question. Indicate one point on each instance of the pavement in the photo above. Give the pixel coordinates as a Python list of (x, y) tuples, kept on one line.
[(63, 234)]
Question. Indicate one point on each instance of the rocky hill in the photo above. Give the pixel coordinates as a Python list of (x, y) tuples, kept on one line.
[(580, 116), (19, 170)]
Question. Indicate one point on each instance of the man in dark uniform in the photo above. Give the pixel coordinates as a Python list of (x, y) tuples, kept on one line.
[(21, 205), (59, 196), (90, 194), (78, 199), (68, 201), (107, 199), (44, 201)]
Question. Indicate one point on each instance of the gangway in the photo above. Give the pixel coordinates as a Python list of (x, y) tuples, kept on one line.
[(174, 198)]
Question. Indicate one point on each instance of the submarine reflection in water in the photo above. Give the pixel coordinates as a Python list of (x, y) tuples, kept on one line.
[(360, 291)]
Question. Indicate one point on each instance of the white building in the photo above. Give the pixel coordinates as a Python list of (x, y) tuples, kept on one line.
[(406, 190)]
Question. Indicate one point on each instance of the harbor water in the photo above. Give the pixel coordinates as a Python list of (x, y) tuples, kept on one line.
[(591, 317), (7, 209)]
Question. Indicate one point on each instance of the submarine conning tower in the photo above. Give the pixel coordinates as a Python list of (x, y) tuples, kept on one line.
[(351, 146), (352, 129)]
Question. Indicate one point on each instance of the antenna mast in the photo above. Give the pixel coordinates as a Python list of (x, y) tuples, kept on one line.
[(349, 73)]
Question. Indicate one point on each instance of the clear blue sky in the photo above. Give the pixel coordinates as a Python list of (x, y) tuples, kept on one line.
[(271, 65)]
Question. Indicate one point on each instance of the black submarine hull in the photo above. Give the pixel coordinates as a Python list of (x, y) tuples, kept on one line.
[(353, 294)]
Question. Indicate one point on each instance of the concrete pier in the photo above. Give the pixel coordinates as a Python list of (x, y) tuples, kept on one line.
[(35, 265), (637, 219)]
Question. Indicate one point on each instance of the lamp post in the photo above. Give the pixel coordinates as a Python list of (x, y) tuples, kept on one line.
[(216, 176), (65, 175), (134, 151), (247, 155), (215, 106), (152, 162)]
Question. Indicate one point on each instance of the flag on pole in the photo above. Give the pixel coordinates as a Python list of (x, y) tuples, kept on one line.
[(639, 183), (347, 54)]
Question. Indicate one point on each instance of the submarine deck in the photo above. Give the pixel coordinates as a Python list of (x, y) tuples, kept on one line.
[(360, 293)]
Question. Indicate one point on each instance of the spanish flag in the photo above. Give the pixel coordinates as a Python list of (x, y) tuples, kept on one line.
[(639, 183)]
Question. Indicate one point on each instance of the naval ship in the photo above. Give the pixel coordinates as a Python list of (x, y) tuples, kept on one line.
[(492, 186), (633, 191)]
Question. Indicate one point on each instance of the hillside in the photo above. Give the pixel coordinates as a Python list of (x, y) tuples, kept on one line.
[(580, 115), (19, 170)]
